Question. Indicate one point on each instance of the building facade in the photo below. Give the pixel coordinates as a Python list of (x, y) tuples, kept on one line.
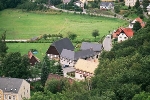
[(130, 3), (14, 89)]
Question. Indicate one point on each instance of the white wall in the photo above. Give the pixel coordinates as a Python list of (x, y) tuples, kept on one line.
[(79, 76), (122, 37), (130, 2), (24, 90), (64, 61)]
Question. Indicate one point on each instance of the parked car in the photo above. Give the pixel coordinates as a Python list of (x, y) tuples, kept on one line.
[(65, 66)]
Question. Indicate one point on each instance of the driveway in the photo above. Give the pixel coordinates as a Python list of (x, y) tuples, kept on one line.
[(107, 43)]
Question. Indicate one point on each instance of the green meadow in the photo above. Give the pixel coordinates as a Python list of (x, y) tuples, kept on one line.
[(23, 48), (26, 25)]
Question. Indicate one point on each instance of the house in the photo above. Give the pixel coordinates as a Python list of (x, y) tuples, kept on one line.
[(69, 57), (137, 20), (130, 3), (14, 89), (55, 49), (79, 4), (106, 5), (123, 34), (85, 69), (66, 1), (84, 1), (148, 9), (96, 47), (58, 77), (32, 59)]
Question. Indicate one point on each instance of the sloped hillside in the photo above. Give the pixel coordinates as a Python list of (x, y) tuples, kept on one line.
[(125, 70)]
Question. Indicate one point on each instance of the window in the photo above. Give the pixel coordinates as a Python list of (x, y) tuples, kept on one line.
[(125, 37), (81, 76), (14, 98), (5, 96), (9, 97), (27, 91)]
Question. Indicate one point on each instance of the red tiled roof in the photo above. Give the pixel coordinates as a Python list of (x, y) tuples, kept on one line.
[(127, 31), (140, 21)]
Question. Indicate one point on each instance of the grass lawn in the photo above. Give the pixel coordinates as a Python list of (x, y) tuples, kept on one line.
[(25, 25), (23, 48)]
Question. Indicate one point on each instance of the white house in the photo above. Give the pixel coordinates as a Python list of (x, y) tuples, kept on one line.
[(106, 5), (14, 89), (69, 57), (79, 4), (85, 69), (148, 9), (130, 2), (131, 24), (123, 34)]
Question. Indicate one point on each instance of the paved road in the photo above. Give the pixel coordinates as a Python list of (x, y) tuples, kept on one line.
[(107, 43)]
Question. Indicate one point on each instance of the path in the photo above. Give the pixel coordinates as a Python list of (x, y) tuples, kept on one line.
[(16, 40), (145, 14), (107, 43), (110, 16)]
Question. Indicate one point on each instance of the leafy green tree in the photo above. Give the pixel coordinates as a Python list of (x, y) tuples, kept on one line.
[(137, 4), (142, 96), (16, 66), (117, 9), (45, 70), (55, 86), (145, 4), (71, 35), (95, 33), (136, 26), (3, 46), (45, 36), (139, 11)]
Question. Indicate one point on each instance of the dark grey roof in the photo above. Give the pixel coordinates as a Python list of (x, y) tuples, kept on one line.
[(64, 43), (84, 54), (10, 84), (76, 55), (67, 54), (94, 46), (106, 3)]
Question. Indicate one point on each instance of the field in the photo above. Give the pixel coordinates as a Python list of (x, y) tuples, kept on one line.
[(23, 48), (26, 25)]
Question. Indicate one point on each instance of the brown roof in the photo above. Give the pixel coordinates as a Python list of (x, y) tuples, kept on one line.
[(58, 77), (31, 56), (87, 66)]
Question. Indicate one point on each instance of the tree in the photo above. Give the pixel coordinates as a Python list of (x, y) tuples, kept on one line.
[(45, 70), (3, 47), (137, 4), (71, 35), (54, 85), (145, 4), (117, 9), (137, 26), (16, 66), (95, 33), (45, 36)]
